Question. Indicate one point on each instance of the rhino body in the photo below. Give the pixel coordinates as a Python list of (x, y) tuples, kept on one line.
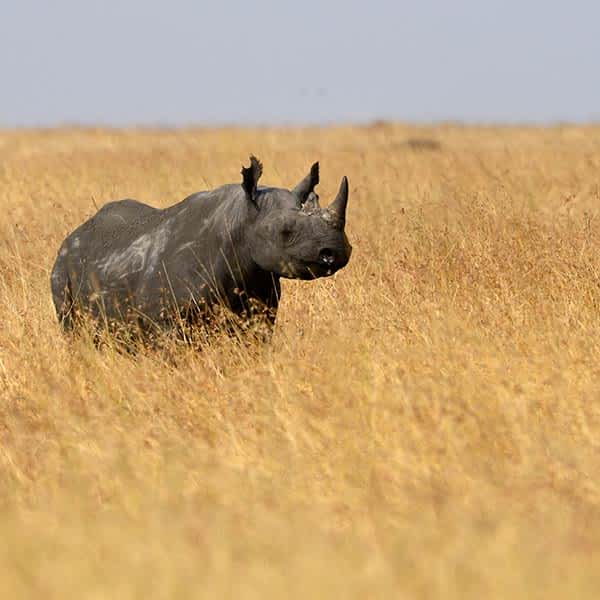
[(160, 268)]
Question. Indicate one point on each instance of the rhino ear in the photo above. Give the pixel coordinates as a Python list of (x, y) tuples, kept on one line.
[(250, 177), (305, 188)]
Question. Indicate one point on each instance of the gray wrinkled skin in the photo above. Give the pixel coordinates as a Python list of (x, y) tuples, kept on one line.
[(157, 268)]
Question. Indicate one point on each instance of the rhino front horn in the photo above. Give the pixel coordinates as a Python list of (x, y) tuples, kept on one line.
[(338, 206)]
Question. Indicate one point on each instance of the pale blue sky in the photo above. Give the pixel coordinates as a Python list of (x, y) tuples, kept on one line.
[(182, 62)]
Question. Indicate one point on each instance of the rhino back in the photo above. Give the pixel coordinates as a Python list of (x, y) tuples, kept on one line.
[(130, 253)]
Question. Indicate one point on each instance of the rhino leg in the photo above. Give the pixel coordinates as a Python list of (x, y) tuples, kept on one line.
[(266, 313)]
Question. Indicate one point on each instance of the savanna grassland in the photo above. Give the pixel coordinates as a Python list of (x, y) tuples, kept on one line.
[(425, 424)]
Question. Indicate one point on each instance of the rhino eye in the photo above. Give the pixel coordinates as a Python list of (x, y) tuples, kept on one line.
[(286, 234)]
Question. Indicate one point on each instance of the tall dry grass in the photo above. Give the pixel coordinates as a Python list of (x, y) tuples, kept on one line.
[(426, 424)]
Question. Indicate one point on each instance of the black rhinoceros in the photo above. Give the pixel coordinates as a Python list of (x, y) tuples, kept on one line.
[(158, 268)]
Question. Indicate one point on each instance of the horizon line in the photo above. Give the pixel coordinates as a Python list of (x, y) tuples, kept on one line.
[(328, 124)]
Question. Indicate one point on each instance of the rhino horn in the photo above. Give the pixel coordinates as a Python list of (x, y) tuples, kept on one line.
[(338, 206), (307, 185)]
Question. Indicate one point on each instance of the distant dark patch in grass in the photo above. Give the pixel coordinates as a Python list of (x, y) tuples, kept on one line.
[(422, 144)]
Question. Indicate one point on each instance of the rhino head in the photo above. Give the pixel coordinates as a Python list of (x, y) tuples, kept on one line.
[(290, 234)]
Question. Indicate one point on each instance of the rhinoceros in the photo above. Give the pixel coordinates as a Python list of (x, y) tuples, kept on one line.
[(159, 269)]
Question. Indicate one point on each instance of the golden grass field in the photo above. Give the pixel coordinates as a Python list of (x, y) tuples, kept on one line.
[(425, 424)]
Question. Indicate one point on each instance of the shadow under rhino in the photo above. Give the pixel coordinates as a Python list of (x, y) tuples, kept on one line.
[(213, 260)]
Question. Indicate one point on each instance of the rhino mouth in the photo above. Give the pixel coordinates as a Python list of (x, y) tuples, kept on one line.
[(309, 270), (318, 270)]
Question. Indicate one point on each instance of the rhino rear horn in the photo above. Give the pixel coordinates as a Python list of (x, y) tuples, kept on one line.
[(338, 206), (307, 185), (250, 177)]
